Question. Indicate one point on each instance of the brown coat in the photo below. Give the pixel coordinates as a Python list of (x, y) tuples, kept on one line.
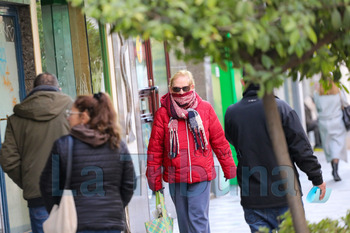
[(30, 133)]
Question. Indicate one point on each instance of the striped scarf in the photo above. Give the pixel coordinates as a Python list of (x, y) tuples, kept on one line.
[(183, 107)]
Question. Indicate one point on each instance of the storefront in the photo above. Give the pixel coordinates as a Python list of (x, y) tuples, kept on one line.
[(142, 70), (14, 212), (20, 61), (86, 58)]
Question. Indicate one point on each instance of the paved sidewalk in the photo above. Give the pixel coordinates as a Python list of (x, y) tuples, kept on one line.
[(338, 203), (226, 214)]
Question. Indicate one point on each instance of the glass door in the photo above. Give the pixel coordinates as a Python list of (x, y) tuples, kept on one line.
[(14, 211), (143, 86), (159, 66), (152, 79)]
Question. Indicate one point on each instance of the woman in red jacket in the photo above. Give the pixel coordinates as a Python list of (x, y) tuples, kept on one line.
[(185, 131)]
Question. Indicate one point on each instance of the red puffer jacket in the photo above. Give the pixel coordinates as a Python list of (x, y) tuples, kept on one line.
[(190, 165)]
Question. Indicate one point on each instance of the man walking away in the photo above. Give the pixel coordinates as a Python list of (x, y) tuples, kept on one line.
[(263, 197), (30, 133)]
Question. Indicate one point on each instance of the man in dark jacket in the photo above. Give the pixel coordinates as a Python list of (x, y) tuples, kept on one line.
[(262, 196), (30, 133)]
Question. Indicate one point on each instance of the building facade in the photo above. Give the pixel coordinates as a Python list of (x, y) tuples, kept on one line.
[(53, 36)]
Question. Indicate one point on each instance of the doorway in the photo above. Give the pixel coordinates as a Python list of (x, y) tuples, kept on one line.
[(14, 211)]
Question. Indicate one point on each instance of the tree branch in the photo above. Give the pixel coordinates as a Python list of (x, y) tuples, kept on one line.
[(295, 60)]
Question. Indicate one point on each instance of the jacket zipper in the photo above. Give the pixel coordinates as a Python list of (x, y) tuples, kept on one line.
[(189, 152)]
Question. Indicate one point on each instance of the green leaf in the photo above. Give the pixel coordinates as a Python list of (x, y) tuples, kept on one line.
[(76, 3), (198, 2), (265, 76), (294, 37), (211, 3), (240, 8), (266, 61), (249, 8), (277, 69), (251, 50), (311, 34), (247, 37), (95, 13), (347, 91), (139, 16), (336, 19), (346, 20), (290, 25), (234, 45), (298, 50), (249, 69), (179, 4), (280, 50), (168, 34), (263, 42), (337, 75)]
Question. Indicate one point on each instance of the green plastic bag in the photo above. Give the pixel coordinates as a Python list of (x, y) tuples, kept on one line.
[(162, 224)]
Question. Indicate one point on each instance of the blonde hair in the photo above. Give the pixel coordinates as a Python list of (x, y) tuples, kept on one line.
[(182, 73)]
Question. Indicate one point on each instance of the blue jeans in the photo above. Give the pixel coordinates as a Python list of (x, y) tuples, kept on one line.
[(192, 206), (111, 231), (38, 215), (267, 217)]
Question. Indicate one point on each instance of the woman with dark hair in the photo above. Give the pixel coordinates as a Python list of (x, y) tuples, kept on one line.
[(102, 177)]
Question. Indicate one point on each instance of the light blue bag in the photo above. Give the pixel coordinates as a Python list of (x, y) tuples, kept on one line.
[(314, 195)]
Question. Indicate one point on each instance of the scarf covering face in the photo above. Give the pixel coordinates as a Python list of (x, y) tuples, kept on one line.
[(182, 106)]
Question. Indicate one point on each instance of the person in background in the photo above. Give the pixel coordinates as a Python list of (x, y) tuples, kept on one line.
[(30, 133), (102, 170), (332, 128), (312, 122), (185, 131), (262, 197)]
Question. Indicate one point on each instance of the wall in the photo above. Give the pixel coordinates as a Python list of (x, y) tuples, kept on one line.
[(27, 46)]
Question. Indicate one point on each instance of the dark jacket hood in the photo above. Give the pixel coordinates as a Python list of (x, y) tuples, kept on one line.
[(89, 136), (251, 90), (42, 105)]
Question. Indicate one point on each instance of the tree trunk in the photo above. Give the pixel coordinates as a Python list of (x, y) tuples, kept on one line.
[(279, 144)]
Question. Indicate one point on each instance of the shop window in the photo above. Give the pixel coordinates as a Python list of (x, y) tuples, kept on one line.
[(95, 55), (140, 62), (159, 66)]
